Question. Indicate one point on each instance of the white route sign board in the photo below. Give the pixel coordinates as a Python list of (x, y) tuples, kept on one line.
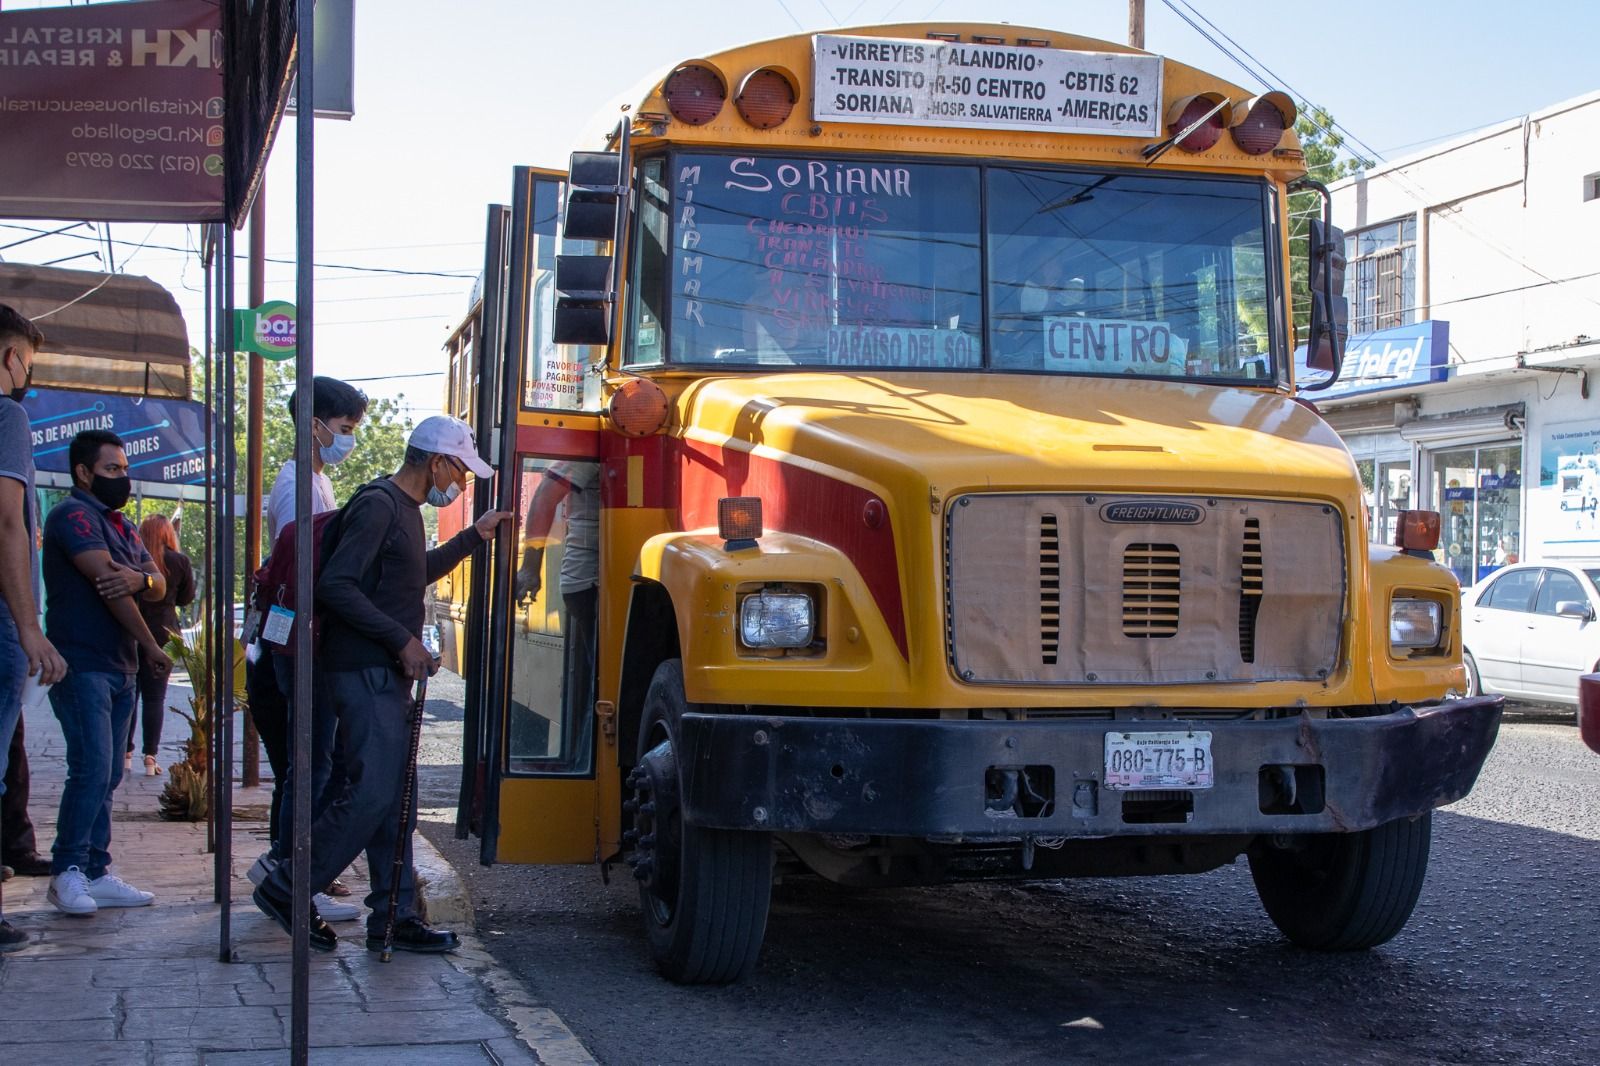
[(985, 86)]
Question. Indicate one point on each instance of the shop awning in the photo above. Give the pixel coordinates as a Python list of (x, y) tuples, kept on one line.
[(102, 332)]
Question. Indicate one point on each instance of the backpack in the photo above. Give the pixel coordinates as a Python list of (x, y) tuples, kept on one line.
[(274, 582)]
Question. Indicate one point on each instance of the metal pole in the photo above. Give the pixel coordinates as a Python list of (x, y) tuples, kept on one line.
[(223, 679), (208, 600), (1136, 23), (305, 156), (253, 445)]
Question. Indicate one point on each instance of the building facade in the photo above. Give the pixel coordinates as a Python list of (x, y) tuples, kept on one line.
[(1474, 285)]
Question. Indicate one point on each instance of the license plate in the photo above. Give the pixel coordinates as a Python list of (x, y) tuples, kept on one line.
[(1145, 761)]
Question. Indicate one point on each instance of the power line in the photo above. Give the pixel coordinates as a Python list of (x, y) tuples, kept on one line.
[(461, 275)]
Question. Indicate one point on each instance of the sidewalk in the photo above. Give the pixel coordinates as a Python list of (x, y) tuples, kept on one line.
[(145, 985)]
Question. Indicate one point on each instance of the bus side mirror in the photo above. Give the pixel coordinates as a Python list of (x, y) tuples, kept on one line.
[(594, 188), (1330, 311), (583, 299)]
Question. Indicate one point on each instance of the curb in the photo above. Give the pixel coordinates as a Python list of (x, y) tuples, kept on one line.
[(443, 901)]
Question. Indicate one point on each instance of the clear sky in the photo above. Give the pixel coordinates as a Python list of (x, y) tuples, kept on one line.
[(450, 96)]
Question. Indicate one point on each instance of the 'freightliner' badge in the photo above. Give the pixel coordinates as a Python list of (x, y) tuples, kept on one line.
[(1164, 512)]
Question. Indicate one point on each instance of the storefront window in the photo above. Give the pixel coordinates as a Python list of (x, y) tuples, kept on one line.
[(1478, 493)]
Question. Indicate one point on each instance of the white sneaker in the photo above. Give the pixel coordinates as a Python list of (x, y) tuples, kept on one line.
[(261, 869), (109, 890), (334, 910), (69, 892)]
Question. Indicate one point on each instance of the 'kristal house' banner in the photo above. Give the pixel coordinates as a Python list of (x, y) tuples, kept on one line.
[(112, 112)]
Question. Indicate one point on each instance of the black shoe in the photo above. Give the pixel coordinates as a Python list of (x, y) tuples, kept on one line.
[(34, 865), (322, 937), (412, 935), (11, 938)]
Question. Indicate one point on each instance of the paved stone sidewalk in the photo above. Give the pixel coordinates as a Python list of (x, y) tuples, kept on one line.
[(146, 985)]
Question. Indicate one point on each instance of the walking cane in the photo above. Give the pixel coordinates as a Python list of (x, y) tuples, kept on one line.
[(408, 796)]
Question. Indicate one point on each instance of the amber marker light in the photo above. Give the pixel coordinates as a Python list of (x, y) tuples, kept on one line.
[(638, 408), (765, 98), (739, 521), (695, 94), (1417, 531)]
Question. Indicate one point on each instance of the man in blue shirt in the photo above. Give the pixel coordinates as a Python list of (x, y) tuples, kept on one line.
[(24, 651), (94, 566)]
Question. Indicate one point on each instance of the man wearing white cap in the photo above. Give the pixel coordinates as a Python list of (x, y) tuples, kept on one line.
[(375, 572)]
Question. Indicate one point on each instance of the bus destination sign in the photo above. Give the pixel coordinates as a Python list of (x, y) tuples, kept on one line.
[(985, 86)]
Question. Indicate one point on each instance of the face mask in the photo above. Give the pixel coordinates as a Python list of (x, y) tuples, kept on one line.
[(18, 392), (337, 452), (443, 497), (111, 491)]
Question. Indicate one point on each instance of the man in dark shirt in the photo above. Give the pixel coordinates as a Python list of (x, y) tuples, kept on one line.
[(94, 567), (369, 598)]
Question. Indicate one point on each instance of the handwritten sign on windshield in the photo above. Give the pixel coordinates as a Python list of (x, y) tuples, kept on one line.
[(985, 86), (1106, 345)]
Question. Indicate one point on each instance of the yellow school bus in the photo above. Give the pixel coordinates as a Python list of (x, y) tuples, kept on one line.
[(915, 484)]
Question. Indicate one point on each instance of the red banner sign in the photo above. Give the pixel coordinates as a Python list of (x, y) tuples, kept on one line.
[(112, 112)]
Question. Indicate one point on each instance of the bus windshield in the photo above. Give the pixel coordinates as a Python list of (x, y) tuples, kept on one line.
[(886, 264)]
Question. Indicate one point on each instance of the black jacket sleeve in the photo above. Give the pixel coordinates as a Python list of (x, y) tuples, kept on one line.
[(362, 532), (183, 578), (447, 556)]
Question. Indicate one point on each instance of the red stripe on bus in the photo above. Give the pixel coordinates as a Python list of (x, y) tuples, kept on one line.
[(558, 442), (799, 501)]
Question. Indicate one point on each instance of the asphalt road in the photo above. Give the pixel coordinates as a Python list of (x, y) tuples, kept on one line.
[(1497, 965)]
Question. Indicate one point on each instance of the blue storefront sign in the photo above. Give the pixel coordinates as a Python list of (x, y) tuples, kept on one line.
[(165, 439), (1396, 358)]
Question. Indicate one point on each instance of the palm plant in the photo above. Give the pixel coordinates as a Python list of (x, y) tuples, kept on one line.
[(187, 796)]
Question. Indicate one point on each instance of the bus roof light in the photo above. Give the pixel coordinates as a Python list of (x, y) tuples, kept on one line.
[(1203, 112), (766, 98), (695, 94), (1257, 124)]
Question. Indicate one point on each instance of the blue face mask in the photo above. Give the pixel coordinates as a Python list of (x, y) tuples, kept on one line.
[(438, 497), (337, 452)]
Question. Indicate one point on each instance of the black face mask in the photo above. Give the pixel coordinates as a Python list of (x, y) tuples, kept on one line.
[(112, 491), (19, 392)]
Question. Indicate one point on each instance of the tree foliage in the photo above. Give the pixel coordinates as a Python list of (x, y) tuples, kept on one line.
[(1327, 160)]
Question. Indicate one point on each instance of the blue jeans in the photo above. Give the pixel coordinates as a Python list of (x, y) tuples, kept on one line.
[(374, 714), (13, 674), (327, 771), (95, 710)]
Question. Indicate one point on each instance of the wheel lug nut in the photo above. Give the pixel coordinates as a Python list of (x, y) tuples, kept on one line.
[(647, 807)]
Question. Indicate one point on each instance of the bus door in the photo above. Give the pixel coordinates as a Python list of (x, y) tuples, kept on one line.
[(533, 794)]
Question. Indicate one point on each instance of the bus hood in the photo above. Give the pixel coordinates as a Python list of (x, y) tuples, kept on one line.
[(933, 435)]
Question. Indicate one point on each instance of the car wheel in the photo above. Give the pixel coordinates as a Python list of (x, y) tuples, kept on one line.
[(1474, 682)]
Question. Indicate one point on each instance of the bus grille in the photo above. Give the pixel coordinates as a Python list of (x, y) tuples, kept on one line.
[(1066, 589)]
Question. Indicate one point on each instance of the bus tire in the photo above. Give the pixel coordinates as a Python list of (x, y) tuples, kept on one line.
[(1344, 891), (704, 892)]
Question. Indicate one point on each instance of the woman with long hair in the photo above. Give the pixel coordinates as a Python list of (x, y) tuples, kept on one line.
[(161, 541)]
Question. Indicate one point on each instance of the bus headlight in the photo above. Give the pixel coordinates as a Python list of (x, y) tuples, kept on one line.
[(776, 620), (1414, 623)]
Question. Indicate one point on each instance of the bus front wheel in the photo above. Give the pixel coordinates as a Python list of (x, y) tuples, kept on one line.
[(1343, 891), (704, 892)]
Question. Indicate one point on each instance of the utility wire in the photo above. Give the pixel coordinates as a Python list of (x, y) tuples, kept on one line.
[(1408, 183)]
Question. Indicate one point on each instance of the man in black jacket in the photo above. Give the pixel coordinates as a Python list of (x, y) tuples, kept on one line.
[(369, 599)]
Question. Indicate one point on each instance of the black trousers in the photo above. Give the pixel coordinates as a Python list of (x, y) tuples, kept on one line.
[(270, 711), (152, 706), (16, 828)]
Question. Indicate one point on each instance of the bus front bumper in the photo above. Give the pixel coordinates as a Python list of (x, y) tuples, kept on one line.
[(954, 779)]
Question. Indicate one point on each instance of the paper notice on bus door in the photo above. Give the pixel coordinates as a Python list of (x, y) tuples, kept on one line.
[(985, 86)]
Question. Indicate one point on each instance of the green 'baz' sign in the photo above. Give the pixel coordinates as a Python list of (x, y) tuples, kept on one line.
[(267, 330)]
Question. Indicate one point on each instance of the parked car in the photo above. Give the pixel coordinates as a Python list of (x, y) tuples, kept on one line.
[(1531, 630)]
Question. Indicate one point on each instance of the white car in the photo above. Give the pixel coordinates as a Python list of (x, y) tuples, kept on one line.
[(1531, 630)]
